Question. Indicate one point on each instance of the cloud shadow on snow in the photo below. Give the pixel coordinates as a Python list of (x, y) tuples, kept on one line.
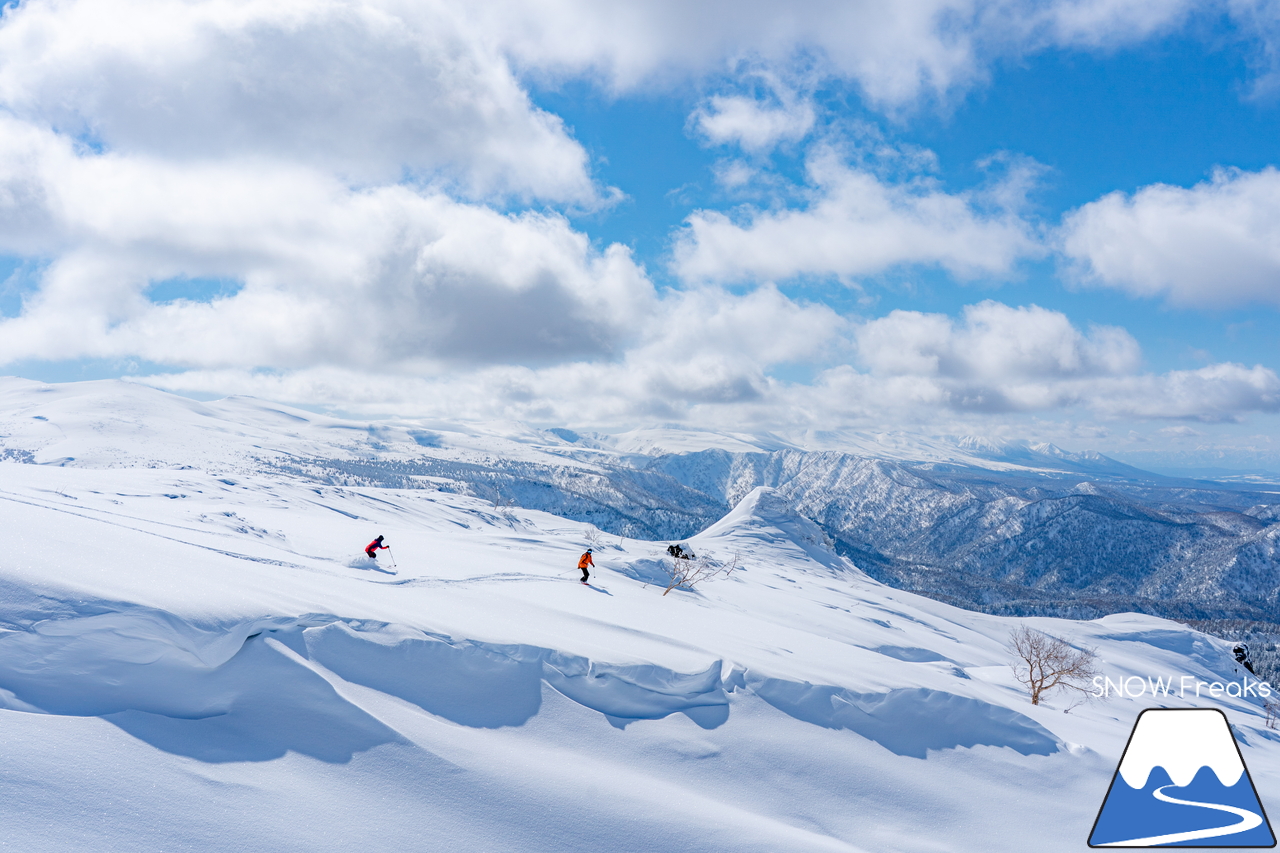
[(215, 695), (470, 684), (249, 692), (908, 721), (488, 686), (273, 706)]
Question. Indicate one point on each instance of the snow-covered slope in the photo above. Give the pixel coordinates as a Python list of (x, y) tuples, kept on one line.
[(1003, 526), (196, 656)]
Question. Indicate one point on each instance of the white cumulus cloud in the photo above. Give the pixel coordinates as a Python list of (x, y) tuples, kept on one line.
[(756, 123), (1215, 244), (1103, 23), (387, 276), (897, 53), (994, 342), (708, 358), (361, 173), (856, 223), (365, 89), (997, 358), (702, 356), (1000, 359)]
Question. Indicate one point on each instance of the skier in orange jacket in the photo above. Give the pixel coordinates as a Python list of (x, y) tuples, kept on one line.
[(584, 561)]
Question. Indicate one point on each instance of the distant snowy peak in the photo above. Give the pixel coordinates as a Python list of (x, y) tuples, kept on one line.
[(1181, 741), (978, 444), (661, 441), (765, 518), (1044, 455), (764, 507), (1005, 447), (968, 450), (110, 423)]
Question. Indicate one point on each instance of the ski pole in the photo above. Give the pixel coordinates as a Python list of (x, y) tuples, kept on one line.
[(392, 556)]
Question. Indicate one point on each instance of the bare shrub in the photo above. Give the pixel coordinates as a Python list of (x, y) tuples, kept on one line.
[(1045, 663), (505, 508), (595, 538), (686, 572), (1272, 707)]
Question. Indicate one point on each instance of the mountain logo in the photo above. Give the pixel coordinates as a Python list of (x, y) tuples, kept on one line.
[(1181, 783)]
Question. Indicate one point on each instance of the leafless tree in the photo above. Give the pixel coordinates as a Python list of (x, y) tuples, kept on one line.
[(688, 572), (1272, 707), (1044, 663), (594, 537), (505, 508)]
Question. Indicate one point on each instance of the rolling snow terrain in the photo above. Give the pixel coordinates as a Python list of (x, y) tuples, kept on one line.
[(1003, 528), (196, 656)]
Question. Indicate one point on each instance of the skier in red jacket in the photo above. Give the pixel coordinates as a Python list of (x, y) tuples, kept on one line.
[(375, 545)]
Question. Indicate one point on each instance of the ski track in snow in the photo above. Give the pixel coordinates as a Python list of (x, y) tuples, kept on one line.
[(501, 577), (90, 517)]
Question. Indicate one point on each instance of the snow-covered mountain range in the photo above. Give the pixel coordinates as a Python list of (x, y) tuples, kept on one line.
[(196, 656), (1004, 527)]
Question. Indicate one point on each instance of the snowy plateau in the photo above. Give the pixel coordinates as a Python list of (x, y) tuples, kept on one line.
[(195, 654)]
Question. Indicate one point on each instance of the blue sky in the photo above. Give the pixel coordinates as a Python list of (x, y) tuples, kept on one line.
[(1054, 221), (1100, 122)]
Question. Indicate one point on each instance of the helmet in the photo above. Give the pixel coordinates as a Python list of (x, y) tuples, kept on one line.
[(379, 537), (588, 550)]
